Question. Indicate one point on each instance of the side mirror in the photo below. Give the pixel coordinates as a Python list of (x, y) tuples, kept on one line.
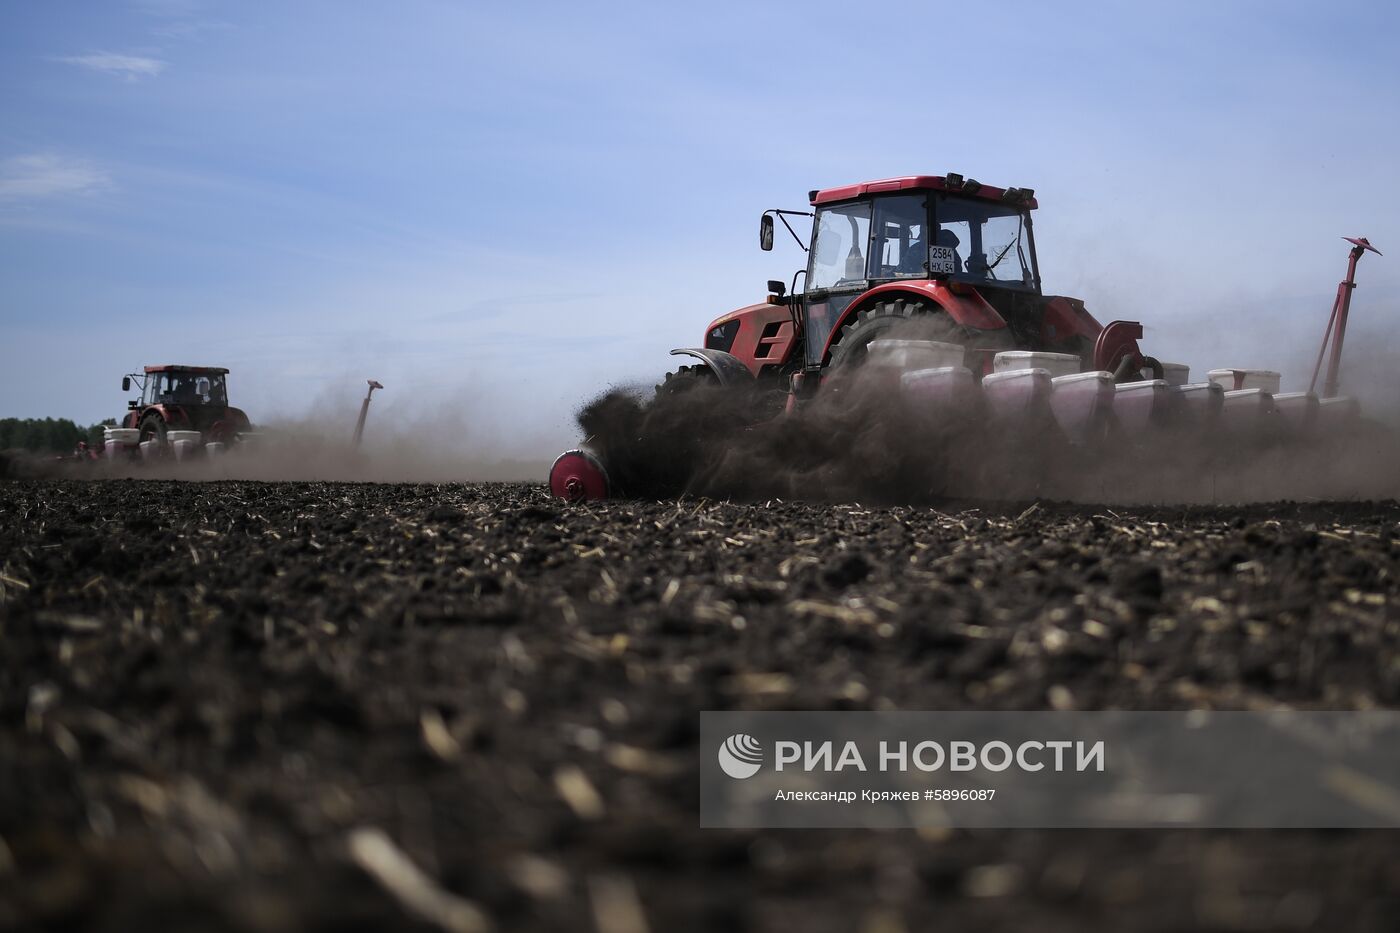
[(765, 232), (126, 383), (776, 287)]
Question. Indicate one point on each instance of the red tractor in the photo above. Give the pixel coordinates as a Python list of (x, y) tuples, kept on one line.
[(183, 398), (951, 263), (955, 253)]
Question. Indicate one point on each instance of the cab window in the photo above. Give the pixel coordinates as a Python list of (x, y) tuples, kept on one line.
[(899, 244), (840, 248)]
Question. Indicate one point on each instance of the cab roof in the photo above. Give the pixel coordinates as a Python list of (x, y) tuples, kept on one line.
[(176, 368), (951, 183)]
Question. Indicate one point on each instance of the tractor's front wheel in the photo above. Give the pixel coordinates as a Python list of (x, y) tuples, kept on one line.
[(750, 403), (685, 379)]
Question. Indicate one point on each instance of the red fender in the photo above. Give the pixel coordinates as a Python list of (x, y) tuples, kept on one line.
[(1117, 340), (1063, 319), (968, 308)]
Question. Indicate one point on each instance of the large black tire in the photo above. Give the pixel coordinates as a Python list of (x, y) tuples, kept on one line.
[(153, 428), (684, 379), (757, 401), (879, 320)]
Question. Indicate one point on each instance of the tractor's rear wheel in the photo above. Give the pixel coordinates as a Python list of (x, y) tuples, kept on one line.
[(153, 428), (921, 320)]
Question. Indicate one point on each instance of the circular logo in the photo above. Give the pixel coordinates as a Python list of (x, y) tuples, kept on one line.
[(740, 756)]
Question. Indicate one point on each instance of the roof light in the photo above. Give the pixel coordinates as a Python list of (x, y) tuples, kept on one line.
[(1011, 195), (971, 186), (1027, 195), (952, 181)]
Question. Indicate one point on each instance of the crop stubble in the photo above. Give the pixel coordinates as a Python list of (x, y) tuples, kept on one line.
[(297, 705)]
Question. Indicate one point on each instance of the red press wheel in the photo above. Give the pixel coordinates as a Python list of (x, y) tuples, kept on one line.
[(577, 476)]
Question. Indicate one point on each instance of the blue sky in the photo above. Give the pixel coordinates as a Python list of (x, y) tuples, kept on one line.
[(499, 209)]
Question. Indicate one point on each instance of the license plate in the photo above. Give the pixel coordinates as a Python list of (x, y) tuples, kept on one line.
[(942, 260)]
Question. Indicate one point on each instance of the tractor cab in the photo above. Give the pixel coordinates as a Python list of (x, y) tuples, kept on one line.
[(174, 386), (950, 243), (984, 242), (189, 398)]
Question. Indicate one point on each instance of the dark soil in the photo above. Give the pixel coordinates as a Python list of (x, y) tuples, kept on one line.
[(207, 688)]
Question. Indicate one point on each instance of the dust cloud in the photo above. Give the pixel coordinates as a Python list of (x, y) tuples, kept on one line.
[(432, 441), (860, 439)]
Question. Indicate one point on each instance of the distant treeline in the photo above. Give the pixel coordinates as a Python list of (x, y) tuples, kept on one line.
[(59, 435)]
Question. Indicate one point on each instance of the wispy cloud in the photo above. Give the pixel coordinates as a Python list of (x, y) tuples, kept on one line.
[(170, 8), (194, 29), (130, 67), (181, 19), (28, 177)]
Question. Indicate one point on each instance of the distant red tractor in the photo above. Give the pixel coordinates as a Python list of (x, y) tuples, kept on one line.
[(183, 398)]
